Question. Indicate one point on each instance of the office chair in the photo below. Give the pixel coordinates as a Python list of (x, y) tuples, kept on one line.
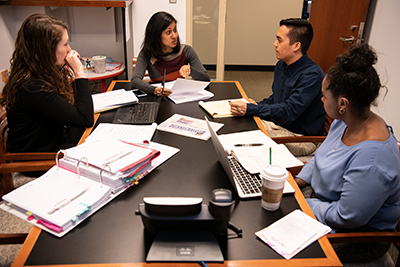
[(4, 75), (18, 162)]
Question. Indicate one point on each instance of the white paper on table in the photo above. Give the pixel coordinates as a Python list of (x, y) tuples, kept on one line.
[(113, 99), (125, 132), (187, 90), (188, 126), (292, 233), (184, 97), (254, 158)]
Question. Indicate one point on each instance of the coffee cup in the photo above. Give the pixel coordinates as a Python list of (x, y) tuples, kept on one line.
[(99, 64), (273, 181)]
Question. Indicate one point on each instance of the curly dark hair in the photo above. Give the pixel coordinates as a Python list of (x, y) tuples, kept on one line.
[(300, 31), (35, 56), (152, 46), (354, 77)]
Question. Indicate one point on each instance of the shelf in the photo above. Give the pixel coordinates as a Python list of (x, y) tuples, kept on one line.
[(69, 3)]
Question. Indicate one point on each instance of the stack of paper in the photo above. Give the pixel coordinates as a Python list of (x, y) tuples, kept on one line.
[(292, 233), (57, 201), (117, 161), (88, 177), (113, 99), (186, 90)]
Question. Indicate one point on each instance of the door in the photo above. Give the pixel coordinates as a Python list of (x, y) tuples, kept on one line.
[(337, 24)]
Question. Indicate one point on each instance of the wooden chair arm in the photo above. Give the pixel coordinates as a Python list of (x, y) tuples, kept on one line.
[(27, 166), (364, 237), (9, 157), (12, 238), (298, 139)]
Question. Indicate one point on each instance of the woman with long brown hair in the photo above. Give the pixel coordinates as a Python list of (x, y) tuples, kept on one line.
[(47, 95)]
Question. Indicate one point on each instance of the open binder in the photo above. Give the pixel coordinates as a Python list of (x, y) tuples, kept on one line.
[(123, 163), (77, 187)]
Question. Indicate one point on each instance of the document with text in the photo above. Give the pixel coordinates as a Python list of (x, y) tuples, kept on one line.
[(293, 233), (188, 126)]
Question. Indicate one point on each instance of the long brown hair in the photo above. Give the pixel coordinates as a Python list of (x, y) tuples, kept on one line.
[(35, 56)]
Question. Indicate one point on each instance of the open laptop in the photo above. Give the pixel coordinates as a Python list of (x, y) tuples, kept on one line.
[(140, 113), (247, 185)]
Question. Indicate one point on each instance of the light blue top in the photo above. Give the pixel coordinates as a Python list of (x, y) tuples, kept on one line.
[(356, 185)]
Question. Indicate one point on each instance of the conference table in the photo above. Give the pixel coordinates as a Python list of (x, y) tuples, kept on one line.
[(115, 236)]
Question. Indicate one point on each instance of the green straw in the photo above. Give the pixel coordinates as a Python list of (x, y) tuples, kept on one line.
[(270, 155)]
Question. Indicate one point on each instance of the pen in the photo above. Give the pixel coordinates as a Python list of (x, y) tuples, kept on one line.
[(254, 144), (63, 67), (66, 202), (238, 109)]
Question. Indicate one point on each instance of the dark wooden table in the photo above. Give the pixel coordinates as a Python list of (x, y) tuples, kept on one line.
[(114, 235)]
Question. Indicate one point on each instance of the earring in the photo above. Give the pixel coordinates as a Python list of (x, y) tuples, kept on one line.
[(342, 111)]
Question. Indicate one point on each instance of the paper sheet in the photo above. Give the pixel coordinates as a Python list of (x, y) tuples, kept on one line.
[(125, 132), (292, 233), (113, 99), (187, 126)]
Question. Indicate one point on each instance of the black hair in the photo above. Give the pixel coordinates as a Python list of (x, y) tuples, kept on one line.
[(354, 77), (300, 30), (152, 46)]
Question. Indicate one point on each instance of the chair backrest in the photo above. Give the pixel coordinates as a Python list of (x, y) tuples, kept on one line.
[(327, 126), (3, 135), (4, 75)]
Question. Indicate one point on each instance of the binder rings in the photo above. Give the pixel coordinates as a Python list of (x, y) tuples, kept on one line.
[(77, 187)]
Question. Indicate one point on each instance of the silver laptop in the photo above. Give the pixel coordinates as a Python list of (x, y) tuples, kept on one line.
[(247, 185)]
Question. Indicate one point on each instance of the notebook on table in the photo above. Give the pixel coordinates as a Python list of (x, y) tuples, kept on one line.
[(140, 113), (247, 185)]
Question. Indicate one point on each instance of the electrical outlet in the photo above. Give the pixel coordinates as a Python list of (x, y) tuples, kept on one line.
[(172, 1)]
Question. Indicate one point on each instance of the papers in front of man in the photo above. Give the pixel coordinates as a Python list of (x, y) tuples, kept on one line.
[(188, 126), (113, 99), (252, 150), (219, 108), (292, 233), (186, 90)]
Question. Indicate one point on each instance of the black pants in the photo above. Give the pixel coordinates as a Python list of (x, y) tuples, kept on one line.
[(72, 135)]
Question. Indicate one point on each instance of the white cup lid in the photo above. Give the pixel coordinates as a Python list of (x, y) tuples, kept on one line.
[(98, 57), (274, 173)]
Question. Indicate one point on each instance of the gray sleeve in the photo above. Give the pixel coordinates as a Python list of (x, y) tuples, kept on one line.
[(198, 72), (142, 64)]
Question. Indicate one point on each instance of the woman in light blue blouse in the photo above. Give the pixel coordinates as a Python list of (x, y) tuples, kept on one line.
[(355, 172)]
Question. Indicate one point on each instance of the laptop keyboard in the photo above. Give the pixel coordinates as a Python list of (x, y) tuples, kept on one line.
[(250, 184), (142, 112)]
